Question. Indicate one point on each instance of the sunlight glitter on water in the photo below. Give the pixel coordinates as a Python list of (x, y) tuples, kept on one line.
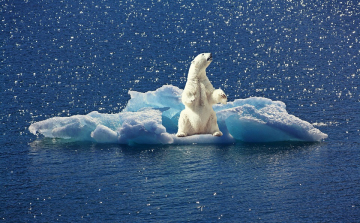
[(70, 58)]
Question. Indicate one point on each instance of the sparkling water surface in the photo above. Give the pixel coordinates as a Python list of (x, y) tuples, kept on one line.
[(61, 58)]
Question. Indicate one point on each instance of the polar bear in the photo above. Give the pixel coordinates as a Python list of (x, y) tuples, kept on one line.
[(199, 95)]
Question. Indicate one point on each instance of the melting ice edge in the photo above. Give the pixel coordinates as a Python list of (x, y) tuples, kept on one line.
[(152, 117)]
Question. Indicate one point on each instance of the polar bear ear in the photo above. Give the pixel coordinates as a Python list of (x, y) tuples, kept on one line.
[(192, 62)]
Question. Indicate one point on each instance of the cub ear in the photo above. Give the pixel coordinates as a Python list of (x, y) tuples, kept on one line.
[(192, 61)]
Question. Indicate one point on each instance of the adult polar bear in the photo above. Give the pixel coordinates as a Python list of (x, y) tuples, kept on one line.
[(199, 95)]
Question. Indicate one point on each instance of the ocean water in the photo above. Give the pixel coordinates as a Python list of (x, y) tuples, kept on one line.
[(62, 58)]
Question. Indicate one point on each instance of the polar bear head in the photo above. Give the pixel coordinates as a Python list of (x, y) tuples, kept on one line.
[(202, 61)]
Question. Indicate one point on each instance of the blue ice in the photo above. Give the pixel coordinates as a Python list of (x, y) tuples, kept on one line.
[(151, 118)]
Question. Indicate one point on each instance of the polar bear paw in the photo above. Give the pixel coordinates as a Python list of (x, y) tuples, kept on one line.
[(189, 101), (180, 134), (217, 133), (220, 96)]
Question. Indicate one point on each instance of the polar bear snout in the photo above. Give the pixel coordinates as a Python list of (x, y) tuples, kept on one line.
[(210, 57)]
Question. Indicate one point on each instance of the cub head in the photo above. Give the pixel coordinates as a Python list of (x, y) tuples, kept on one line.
[(202, 61)]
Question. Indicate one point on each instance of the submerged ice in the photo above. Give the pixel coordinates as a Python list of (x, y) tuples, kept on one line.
[(151, 118)]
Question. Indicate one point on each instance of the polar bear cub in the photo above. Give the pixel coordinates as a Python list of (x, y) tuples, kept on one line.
[(199, 95)]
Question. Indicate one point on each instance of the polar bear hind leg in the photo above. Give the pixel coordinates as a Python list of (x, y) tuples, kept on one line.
[(212, 125), (183, 125)]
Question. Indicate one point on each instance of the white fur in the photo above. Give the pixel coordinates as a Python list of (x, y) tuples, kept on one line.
[(199, 95)]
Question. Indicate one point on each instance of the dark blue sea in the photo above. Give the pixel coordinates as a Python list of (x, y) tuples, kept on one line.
[(61, 58)]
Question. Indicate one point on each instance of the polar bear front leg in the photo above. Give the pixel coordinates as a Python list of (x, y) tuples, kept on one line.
[(218, 96)]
